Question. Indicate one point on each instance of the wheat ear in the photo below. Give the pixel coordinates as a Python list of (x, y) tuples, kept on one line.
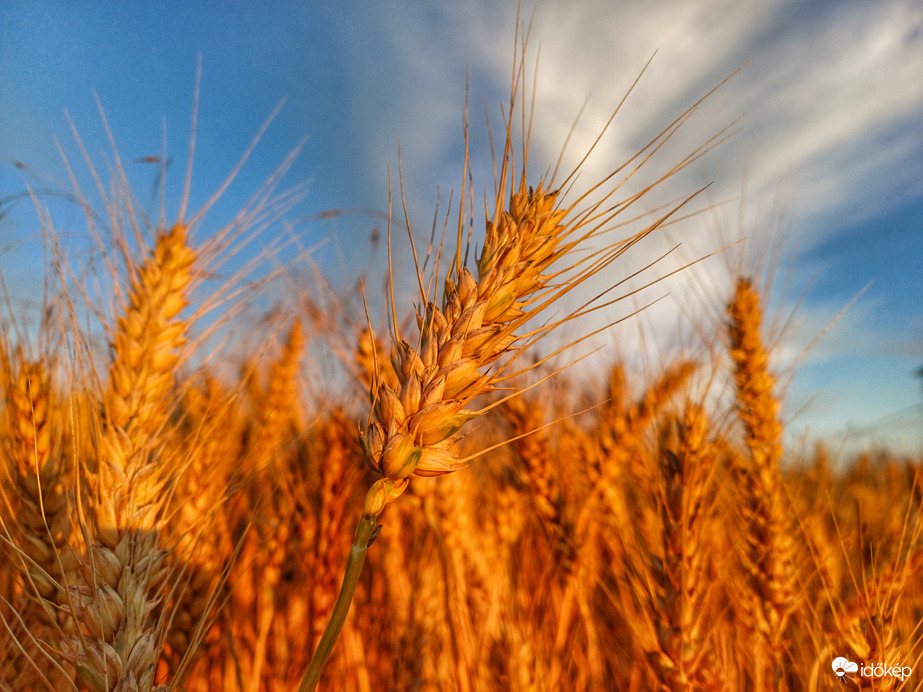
[(680, 599), (770, 547), (41, 481), (122, 602), (41, 533)]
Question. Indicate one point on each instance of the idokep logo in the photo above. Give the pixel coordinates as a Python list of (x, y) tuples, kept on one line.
[(846, 670), (843, 668)]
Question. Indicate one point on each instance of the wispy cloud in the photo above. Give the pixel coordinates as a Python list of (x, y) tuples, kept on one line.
[(831, 101)]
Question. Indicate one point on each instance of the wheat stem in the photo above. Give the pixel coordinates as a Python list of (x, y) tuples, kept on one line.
[(365, 534)]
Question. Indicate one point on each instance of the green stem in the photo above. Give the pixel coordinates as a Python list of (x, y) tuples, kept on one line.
[(364, 533)]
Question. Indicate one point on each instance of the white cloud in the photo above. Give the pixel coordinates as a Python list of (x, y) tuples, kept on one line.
[(831, 97)]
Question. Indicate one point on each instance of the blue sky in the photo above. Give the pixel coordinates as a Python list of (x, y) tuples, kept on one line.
[(831, 98)]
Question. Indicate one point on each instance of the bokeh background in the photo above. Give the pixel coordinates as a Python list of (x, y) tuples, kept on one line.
[(823, 177)]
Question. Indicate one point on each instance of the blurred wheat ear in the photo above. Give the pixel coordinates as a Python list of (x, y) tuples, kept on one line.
[(770, 546)]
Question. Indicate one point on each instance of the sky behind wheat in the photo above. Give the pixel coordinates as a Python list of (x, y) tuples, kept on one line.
[(827, 155)]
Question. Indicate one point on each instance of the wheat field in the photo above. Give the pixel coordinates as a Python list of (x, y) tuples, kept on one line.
[(170, 521)]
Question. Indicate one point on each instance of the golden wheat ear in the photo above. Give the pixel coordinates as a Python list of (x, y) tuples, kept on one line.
[(122, 604), (769, 553)]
